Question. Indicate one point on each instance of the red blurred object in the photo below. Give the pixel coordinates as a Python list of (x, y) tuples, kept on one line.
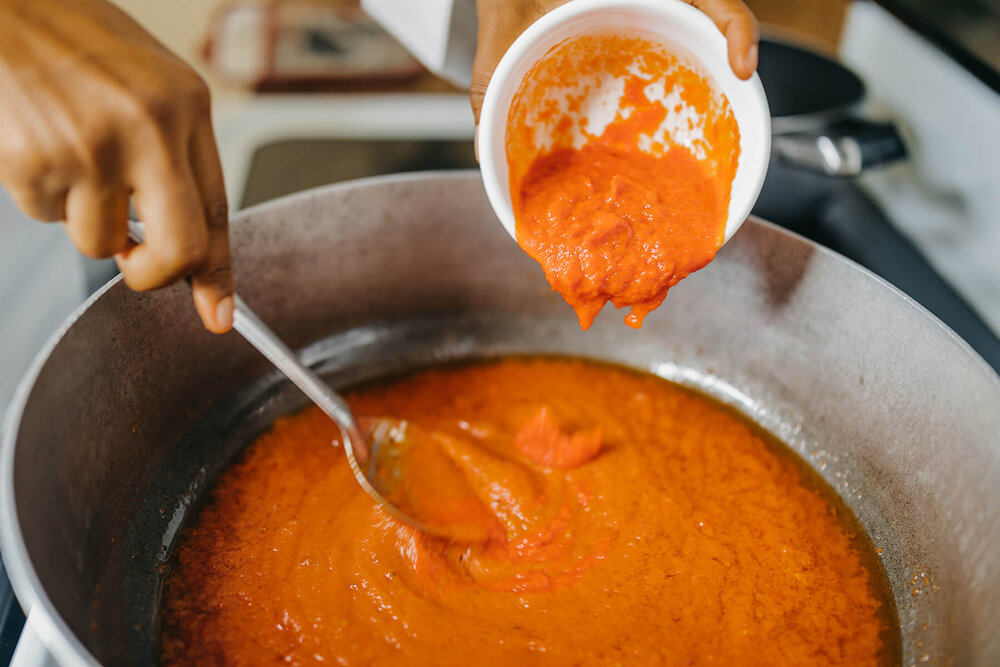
[(304, 45)]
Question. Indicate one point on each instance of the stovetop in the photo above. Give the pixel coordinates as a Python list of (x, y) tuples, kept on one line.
[(835, 213)]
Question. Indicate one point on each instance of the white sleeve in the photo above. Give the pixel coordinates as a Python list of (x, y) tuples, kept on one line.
[(441, 34)]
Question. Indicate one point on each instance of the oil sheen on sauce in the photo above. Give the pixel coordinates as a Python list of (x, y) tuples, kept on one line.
[(625, 521), (619, 212)]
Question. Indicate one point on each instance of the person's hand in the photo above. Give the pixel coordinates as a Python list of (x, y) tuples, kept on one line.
[(502, 21), (94, 111)]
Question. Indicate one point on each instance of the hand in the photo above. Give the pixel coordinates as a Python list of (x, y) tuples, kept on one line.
[(94, 111), (502, 21)]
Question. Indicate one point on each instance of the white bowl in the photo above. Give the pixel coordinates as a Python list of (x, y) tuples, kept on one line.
[(679, 27)]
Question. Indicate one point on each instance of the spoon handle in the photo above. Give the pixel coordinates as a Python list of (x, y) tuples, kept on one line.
[(258, 334)]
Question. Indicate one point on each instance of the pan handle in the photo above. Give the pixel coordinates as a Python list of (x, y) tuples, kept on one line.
[(844, 149)]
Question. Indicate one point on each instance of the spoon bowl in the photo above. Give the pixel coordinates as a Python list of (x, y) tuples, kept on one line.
[(375, 448)]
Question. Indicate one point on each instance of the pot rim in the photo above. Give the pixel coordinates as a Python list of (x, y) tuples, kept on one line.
[(59, 639)]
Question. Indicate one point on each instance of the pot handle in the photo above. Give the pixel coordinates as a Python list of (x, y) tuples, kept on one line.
[(31, 650), (844, 149)]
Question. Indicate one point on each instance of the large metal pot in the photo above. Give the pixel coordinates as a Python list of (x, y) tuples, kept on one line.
[(132, 408)]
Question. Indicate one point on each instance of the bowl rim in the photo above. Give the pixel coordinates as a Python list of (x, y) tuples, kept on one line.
[(746, 98)]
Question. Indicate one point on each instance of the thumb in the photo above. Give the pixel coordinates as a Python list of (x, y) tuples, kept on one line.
[(500, 23), (212, 284)]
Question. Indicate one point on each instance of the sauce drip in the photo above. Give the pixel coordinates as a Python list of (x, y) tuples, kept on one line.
[(624, 521), (622, 212)]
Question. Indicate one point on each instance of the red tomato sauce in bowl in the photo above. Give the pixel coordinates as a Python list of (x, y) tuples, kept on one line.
[(622, 210)]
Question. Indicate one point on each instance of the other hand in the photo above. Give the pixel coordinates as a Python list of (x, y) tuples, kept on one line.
[(94, 111)]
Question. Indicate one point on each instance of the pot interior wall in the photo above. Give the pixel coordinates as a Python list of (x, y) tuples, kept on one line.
[(136, 408)]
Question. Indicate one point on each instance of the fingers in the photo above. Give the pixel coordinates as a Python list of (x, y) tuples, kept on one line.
[(49, 207), (741, 29), (176, 242), (187, 229), (97, 218), (94, 208), (213, 282), (38, 190)]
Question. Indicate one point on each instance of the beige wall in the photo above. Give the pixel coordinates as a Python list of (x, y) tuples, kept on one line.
[(820, 21), (180, 24)]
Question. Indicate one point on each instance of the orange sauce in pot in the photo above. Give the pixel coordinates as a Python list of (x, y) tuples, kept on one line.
[(623, 215), (624, 521)]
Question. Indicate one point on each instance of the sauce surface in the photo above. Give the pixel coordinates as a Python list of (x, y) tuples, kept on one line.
[(624, 521), (619, 211)]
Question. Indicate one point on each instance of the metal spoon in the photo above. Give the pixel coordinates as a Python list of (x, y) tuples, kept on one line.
[(371, 457)]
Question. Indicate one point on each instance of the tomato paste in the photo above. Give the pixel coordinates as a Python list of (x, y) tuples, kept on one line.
[(624, 521), (619, 212)]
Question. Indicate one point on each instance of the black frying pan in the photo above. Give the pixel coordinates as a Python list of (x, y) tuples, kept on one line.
[(813, 102)]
